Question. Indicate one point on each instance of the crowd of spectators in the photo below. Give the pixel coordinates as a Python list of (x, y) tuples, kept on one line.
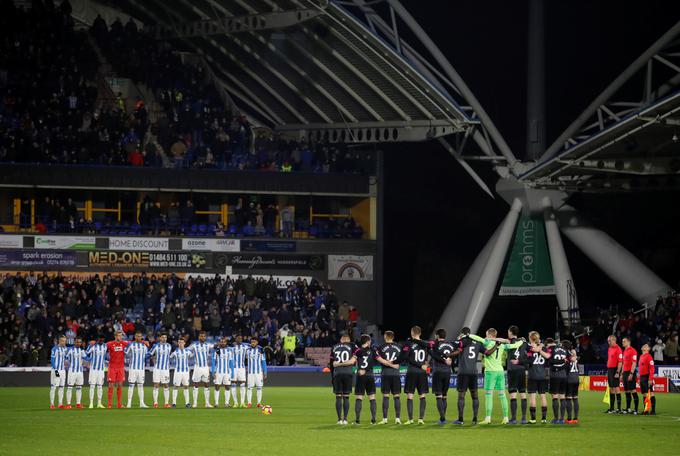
[(52, 111), (35, 308), (658, 326)]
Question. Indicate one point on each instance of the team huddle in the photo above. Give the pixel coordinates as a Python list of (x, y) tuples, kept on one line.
[(534, 368), (232, 366)]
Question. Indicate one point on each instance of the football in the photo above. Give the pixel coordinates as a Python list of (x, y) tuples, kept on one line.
[(266, 409)]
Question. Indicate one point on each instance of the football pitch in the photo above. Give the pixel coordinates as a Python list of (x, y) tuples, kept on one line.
[(303, 422)]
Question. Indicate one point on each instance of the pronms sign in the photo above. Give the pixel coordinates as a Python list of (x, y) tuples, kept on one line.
[(528, 271)]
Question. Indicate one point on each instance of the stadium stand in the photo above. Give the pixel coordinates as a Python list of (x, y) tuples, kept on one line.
[(34, 308)]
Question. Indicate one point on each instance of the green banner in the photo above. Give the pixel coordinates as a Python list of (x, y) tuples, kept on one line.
[(528, 271)]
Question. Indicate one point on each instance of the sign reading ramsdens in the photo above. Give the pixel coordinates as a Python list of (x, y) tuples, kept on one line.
[(528, 271), (127, 259)]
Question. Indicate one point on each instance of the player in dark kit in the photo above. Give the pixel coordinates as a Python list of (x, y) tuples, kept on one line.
[(558, 358), (365, 382), (414, 354), (572, 385), (517, 375), (467, 351), (537, 383), (390, 378), (441, 351), (342, 360)]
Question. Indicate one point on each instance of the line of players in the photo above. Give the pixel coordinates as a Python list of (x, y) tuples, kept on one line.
[(527, 363), (621, 368), (229, 366)]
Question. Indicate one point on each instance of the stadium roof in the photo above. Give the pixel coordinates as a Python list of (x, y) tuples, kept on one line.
[(312, 66)]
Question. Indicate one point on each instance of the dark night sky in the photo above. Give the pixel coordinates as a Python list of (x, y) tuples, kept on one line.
[(435, 227)]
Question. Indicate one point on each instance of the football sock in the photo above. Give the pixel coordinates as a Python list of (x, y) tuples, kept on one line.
[(227, 394), (79, 395), (249, 394), (92, 394), (131, 391), (488, 403), (612, 401), (513, 408), (461, 406), (423, 404), (409, 408), (524, 409), (357, 409), (397, 406), (166, 394), (174, 396), (532, 412), (155, 395), (206, 395), (345, 407), (242, 390), (186, 395), (445, 405), (100, 392), (475, 406), (653, 399), (60, 394), (53, 390), (636, 401), (563, 408), (568, 404), (338, 407), (556, 408), (385, 406), (69, 393), (233, 393), (618, 401), (374, 409), (140, 391), (544, 412), (576, 407), (628, 398), (259, 394), (195, 396), (217, 396), (440, 408), (109, 394), (119, 394), (504, 404)]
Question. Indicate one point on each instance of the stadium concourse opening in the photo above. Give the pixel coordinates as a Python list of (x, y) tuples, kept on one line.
[(243, 206)]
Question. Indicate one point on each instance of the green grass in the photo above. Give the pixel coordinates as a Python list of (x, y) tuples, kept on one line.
[(303, 423)]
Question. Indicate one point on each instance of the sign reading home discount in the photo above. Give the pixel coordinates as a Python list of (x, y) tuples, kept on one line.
[(528, 271)]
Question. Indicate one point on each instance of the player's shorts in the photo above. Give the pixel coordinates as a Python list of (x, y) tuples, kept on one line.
[(494, 380), (223, 379), (201, 374), (537, 386), (390, 384), (365, 385), (416, 381), (558, 385), (572, 390), (75, 379), (342, 384), (517, 380), (116, 375), (136, 376), (465, 382), (180, 379), (238, 374), (96, 377), (440, 383), (161, 376), (629, 385), (645, 385), (612, 381), (255, 380), (58, 381)]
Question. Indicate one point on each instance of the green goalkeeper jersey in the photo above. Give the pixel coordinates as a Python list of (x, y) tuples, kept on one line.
[(494, 361)]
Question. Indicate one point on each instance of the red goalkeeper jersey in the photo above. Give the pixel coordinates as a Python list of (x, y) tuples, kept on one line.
[(117, 354)]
